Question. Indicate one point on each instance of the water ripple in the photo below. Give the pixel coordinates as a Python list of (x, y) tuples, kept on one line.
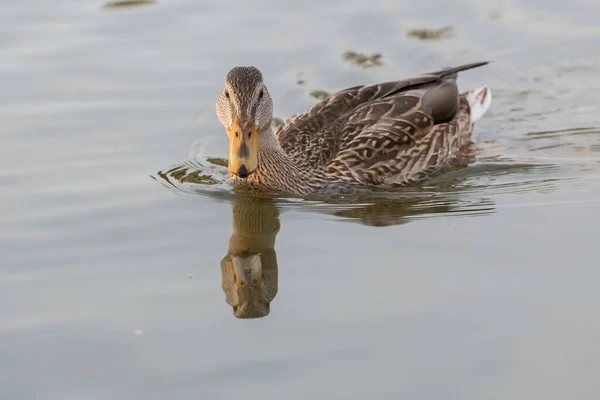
[(467, 188)]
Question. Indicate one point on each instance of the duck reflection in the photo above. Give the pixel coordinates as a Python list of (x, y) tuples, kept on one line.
[(249, 269)]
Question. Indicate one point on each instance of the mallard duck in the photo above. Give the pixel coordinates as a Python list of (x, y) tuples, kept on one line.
[(381, 136)]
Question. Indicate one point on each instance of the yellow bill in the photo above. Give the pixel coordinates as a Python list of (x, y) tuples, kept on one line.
[(247, 269), (243, 148)]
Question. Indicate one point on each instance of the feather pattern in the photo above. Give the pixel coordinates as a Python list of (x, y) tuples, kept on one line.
[(384, 135)]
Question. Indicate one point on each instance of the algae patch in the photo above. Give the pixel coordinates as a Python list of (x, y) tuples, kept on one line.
[(431, 34), (217, 161), (363, 60), (319, 94)]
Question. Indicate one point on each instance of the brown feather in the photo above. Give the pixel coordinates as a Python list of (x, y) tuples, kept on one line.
[(383, 135)]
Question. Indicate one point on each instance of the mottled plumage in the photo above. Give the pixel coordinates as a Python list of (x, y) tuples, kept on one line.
[(384, 136)]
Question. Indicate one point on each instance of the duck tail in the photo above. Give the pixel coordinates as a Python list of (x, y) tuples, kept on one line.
[(452, 72), (479, 101), (465, 67)]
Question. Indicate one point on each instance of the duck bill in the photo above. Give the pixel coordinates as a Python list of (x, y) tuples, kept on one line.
[(243, 148), (247, 269)]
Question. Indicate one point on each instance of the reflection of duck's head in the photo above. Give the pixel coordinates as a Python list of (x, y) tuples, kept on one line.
[(249, 269)]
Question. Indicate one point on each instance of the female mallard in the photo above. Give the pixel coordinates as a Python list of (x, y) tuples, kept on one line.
[(383, 136)]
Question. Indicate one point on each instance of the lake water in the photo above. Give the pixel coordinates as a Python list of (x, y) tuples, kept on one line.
[(117, 278)]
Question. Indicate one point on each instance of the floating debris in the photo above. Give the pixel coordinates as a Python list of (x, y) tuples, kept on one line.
[(183, 175), (431, 34), (277, 121), (191, 276), (127, 3), (217, 161), (138, 332), (319, 94), (363, 60)]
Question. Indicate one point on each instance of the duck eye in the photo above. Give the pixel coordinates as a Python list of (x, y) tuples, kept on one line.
[(226, 94), (261, 94)]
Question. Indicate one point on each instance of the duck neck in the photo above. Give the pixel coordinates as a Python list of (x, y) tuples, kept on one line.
[(276, 169)]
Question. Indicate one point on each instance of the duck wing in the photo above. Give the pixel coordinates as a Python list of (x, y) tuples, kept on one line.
[(370, 132)]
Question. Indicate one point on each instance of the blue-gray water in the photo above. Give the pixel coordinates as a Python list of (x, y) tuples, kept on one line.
[(480, 283)]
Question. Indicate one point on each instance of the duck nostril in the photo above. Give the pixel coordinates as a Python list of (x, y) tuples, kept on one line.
[(237, 134), (249, 134)]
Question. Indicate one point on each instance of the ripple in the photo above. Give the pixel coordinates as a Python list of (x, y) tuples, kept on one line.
[(467, 188)]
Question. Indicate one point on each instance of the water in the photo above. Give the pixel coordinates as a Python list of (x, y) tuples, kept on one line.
[(114, 276)]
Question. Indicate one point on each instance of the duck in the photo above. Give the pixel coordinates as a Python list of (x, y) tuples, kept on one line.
[(380, 136)]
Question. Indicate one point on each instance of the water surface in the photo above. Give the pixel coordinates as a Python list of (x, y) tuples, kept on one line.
[(116, 273)]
